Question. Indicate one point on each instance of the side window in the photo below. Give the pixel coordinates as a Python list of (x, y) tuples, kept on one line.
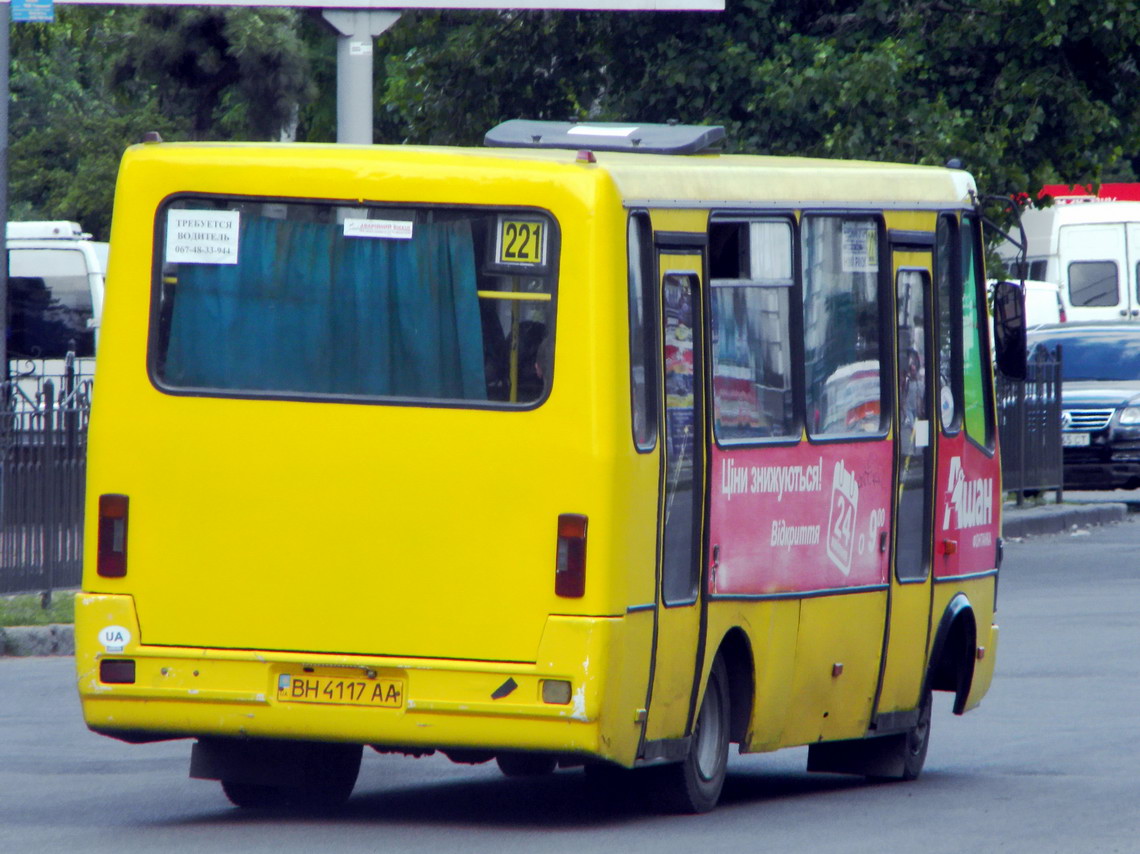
[(949, 325), (750, 265), (842, 316), (642, 334), (975, 344), (1093, 283)]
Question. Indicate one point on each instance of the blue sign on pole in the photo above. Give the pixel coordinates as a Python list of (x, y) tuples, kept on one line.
[(39, 11)]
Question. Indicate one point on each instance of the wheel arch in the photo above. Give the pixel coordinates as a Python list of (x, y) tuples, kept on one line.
[(736, 652), (954, 651)]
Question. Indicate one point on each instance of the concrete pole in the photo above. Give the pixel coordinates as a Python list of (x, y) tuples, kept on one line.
[(356, 28), (5, 23)]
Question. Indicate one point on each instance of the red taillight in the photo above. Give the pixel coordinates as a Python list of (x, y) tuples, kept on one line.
[(570, 566), (112, 561), (117, 671)]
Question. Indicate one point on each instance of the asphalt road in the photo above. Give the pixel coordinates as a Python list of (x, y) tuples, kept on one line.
[(1047, 764)]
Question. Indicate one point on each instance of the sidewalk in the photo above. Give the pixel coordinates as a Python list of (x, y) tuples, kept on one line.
[(1038, 520), (1017, 523)]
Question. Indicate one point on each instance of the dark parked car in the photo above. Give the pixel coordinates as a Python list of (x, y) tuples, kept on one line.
[(1100, 417)]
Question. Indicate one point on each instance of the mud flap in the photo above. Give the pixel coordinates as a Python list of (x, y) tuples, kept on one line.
[(882, 756)]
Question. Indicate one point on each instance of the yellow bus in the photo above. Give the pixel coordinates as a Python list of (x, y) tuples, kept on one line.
[(594, 446)]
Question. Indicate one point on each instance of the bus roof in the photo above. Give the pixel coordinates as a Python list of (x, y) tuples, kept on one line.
[(705, 180), (46, 230)]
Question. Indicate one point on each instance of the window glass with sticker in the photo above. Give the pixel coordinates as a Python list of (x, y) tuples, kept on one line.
[(842, 357), (752, 278), (306, 299)]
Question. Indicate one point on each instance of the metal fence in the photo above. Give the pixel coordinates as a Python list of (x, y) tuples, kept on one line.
[(43, 470), (1029, 426)]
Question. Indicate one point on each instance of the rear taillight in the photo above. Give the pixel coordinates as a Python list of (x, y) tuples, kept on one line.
[(117, 671), (112, 562), (570, 565)]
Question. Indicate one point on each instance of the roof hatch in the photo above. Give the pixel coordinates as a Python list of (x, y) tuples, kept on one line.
[(608, 136)]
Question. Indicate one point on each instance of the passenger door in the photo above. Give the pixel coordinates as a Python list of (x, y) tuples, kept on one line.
[(910, 584), (681, 509)]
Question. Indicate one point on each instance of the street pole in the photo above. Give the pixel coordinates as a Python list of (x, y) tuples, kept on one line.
[(356, 28), (5, 24)]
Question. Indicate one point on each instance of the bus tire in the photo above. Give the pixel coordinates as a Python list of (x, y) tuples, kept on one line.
[(330, 774), (694, 784), (526, 764), (906, 751), (255, 796), (322, 777), (918, 738)]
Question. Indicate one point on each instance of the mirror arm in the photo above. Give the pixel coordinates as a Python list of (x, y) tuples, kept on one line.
[(1022, 245)]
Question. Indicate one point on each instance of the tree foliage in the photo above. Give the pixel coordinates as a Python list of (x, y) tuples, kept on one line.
[(88, 85), (231, 72), (449, 76), (1024, 92)]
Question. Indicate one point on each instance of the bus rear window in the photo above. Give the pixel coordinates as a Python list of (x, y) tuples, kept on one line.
[(302, 299)]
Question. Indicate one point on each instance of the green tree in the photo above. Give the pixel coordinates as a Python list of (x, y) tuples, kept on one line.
[(447, 77), (231, 72), (1023, 91), (68, 125), (93, 82)]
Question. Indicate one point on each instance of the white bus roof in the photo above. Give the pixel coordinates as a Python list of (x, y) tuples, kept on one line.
[(60, 229)]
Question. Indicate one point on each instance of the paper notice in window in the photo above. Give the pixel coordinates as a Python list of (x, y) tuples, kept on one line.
[(391, 229), (202, 237), (860, 247)]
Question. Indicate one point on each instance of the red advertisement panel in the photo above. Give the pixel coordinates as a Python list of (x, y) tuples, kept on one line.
[(800, 519), (967, 504)]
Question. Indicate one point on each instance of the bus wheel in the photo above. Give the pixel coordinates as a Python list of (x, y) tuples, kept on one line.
[(918, 739), (329, 776), (321, 777), (905, 754), (255, 795), (526, 764), (693, 785)]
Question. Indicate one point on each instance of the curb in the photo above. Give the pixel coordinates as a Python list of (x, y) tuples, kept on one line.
[(1056, 519), (56, 639), (59, 639)]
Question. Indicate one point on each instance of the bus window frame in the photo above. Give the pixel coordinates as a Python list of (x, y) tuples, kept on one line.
[(552, 271), (929, 489), (955, 296), (884, 283), (649, 332), (795, 330), (985, 357)]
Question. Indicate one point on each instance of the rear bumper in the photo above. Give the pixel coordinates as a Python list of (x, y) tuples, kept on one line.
[(187, 692), (1104, 466)]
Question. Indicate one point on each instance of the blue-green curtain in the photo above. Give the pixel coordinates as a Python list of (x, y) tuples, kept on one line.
[(308, 310)]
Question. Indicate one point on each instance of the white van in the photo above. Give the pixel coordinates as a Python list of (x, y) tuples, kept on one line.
[(1091, 249), (1042, 302), (55, 295)]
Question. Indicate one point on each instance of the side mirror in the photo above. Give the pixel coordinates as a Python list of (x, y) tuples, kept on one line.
[(1009, 330)]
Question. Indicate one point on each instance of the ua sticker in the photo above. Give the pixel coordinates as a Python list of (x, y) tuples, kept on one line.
[(114, 638)]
